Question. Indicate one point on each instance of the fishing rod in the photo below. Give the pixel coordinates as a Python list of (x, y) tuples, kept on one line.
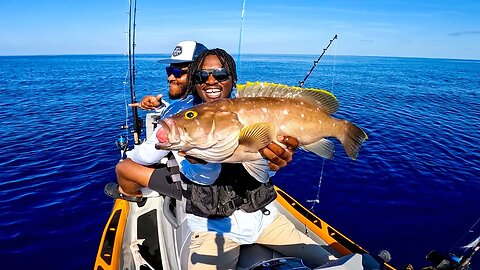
[(301, 83), (466, 259), (241, 31), (137, 122), (451, 261), (461, 262)]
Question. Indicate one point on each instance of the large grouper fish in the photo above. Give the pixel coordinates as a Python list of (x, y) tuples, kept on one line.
[(233, 130)]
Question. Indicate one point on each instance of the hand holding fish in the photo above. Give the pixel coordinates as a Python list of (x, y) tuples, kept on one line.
[(277, 156), (148, 102)]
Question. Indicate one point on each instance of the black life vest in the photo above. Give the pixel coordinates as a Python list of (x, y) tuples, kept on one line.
[(234, 189)]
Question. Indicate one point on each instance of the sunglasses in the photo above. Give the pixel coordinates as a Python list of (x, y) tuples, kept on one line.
[(177, 72), (219, 74)]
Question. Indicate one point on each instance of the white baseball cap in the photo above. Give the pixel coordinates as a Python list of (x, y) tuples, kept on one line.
[(184, 52)]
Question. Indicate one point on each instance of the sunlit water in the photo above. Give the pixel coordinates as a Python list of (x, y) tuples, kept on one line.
[(414, 187)]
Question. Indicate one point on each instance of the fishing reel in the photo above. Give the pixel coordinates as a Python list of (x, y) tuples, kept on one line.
[(444, 262), (452, 261), (122, 143)]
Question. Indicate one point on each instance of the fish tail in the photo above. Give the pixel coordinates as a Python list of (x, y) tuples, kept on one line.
[(352, 139)]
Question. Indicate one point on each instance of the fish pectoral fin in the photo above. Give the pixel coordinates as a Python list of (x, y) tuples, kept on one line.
[(324, 148), (256, 136), (259, 169)]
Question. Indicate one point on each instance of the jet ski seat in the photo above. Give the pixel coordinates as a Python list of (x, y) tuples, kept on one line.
[(249, 254), (252, 254)]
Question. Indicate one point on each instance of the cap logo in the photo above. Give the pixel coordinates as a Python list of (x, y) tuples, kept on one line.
[(177, 51)]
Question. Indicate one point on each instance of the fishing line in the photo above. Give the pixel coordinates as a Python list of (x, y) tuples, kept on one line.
[(126, 78), (122, 140), (334, 64), (465, 234), (134, 71), (300, 84), (130, 61), (240, 37), (125, 126), (317, 200)]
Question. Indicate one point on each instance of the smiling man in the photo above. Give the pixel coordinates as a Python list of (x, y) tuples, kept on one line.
[(182, 56)]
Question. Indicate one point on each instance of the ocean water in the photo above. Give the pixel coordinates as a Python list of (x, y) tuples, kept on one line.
[(413, 188)]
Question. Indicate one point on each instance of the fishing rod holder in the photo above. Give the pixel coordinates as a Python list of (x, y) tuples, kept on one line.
[(152, 121)]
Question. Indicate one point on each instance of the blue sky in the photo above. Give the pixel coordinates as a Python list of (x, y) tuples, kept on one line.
[(436, 29)]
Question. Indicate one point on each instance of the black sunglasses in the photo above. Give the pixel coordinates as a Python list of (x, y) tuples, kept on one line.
[(177, 72), (220, 74)]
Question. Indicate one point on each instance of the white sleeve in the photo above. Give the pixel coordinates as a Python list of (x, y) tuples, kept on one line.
[(146, 153), (162, 106)]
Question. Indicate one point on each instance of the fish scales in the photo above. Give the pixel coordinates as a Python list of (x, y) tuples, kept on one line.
[(233, 130), (293, 117)]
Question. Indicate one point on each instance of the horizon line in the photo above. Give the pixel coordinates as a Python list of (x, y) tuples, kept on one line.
[(234, 54)]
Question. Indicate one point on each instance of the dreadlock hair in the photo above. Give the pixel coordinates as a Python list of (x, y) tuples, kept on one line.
[(227, 62)]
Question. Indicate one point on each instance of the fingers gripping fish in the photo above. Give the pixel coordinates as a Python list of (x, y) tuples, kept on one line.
[(233, 130)]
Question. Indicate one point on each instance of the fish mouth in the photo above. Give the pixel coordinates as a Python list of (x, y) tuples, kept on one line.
[(166, 135)]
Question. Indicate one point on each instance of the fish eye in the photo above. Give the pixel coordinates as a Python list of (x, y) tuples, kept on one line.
[(190, 114)]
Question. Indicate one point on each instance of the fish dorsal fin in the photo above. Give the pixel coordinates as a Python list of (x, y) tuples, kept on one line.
[(324, 99), (259, 89), (256, 136)]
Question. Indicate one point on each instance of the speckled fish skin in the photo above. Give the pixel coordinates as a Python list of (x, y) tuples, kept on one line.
[(213, 133), (233, 130), (301, 119)]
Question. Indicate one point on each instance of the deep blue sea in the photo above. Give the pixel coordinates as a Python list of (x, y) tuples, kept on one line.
[(414, 187)]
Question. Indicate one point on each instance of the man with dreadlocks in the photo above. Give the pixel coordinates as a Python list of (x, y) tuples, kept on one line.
[(226, 207), (140, 168)]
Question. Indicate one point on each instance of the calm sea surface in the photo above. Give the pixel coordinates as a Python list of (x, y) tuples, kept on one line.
[(415, 185)]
